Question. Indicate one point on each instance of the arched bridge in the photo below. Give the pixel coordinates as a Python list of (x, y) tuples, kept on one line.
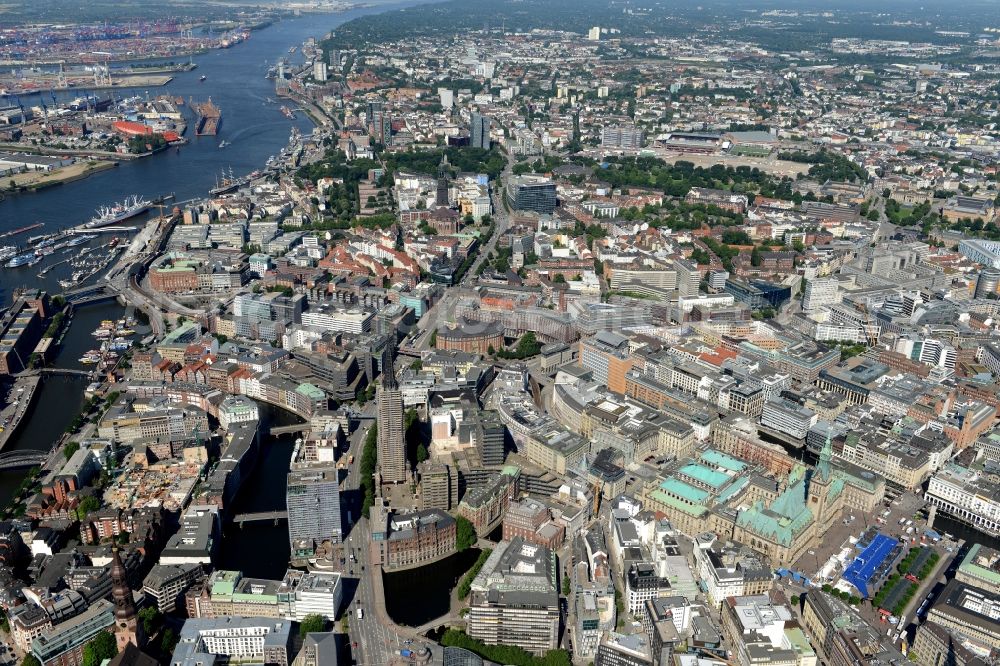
[(22, 459)]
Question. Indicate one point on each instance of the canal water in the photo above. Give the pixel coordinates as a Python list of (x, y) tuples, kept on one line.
[(261, 550), (417, 596), (946, 524)]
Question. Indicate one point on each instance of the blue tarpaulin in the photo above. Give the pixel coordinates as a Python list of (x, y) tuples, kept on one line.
[(872, 564)]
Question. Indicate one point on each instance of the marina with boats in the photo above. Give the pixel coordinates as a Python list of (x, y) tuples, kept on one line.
[(114, 337)]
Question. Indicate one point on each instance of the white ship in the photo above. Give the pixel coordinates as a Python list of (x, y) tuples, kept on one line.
[(118, 212), (21, 260)]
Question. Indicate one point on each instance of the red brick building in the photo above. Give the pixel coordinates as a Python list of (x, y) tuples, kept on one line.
[(532, 521)]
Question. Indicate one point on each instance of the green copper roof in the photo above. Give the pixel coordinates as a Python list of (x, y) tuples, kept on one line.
[(720, 459), (799, 641), (684, 491), (973, 569), (787, 516), (791, 502), (709, 477), (770, 525), (310, 391), (671, 501)]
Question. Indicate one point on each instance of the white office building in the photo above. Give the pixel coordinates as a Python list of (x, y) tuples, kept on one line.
[(966, 494), (314, 593), (820, 292), (248, 640), (354, 320)]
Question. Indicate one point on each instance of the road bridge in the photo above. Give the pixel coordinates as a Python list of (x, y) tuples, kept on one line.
[(22, 459), (260, 516), (290, 429), (412, 352), (100, 291)]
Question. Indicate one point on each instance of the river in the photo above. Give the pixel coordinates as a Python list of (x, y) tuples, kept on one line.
[(255, 129), (253, 126)]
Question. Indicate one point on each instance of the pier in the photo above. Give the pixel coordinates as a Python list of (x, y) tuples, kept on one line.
[(21, 230), (55, 372), (99, 230)]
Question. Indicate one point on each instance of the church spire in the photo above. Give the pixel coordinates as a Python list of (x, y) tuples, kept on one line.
[(825, 456), (121, 593), (127, 629)]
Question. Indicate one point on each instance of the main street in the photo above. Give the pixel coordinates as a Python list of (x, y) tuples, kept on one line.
[(377, 637), (442, 311)]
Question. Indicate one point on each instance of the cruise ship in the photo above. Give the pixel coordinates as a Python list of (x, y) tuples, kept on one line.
[(21, 260), (118, 212)]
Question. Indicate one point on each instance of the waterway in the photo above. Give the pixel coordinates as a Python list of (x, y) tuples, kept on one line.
[(252, 125), (261, 549), (432, 585), (255, 128), (943, 523)]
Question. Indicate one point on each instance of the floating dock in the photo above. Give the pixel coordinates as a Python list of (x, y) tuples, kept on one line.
[(209, 118)]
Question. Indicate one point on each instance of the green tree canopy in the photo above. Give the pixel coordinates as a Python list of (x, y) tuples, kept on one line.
[(70, 449), (87, 505), (466, 534), (311, 623), (102, 646)]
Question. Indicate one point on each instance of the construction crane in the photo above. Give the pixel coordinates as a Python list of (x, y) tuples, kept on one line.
[(17, 100)]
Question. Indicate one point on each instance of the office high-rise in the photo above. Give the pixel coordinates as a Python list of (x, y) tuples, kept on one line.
[(988, 282), (479, 131), (320, 71), (373, 112), (391, 444), (313, 500), (531, 193)]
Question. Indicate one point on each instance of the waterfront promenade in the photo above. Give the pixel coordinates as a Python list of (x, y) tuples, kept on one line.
[(18, 405)]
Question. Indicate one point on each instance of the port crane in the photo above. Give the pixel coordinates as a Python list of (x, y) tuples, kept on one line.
[(17, 100)]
